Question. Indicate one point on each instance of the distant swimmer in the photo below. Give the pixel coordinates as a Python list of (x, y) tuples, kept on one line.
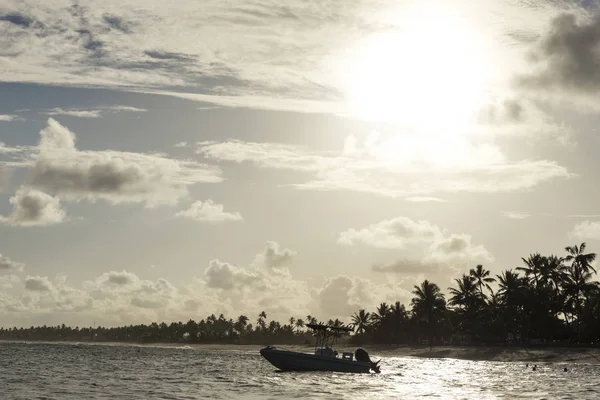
[(526, 365), (534, 367), (565, 370)]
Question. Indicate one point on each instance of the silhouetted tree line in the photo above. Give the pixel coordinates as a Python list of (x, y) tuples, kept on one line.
[(549, 299), (212, 329)]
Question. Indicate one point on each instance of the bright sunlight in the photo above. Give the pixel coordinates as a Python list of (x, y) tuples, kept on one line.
[(428, 76)]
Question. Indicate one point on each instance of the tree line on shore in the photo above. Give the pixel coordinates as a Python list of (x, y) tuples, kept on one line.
[(548, 299)]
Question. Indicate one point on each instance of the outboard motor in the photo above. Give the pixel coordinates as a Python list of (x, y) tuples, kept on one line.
[(362, 355)]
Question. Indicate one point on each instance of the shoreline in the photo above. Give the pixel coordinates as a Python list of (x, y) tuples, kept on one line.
[(531, 354)]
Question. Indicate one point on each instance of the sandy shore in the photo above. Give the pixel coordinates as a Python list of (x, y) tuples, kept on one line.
[(474, 353)]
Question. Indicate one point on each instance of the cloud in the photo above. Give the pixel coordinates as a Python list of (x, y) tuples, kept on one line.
[(401, 166), (343, 295), (565, 59), (276, 257), (34, 208), (567, 56), (123, 297), (75, 113), (7, 117), (208, 211), (412, 267), (92, 113), (519, 115), (257, 55), (62, 170), (457, 249), (516, 214), (38, 284), (181, 145), (121, 278), (8, 265), (222, 275), (7, 281), (395, 233), (440, 249), (586, 230)]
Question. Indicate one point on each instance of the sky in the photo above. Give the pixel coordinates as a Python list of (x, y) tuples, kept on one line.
[(166, 161)]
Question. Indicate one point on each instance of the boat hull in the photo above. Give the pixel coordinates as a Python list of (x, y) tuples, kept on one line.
[(293, 361)]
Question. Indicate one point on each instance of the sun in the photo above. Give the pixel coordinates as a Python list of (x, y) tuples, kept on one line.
[(429, 75)]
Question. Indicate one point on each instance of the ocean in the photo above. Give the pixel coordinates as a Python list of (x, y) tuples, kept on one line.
[(88, 371)]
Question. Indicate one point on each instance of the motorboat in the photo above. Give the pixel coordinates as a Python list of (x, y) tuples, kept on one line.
[(324, 357)]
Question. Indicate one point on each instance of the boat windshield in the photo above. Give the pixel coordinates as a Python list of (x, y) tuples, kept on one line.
[(327, 335)]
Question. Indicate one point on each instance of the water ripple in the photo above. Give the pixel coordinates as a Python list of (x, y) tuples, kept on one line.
[(63, 371)]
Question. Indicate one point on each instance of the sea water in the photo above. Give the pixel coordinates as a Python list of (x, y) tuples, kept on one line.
[(84, 371)]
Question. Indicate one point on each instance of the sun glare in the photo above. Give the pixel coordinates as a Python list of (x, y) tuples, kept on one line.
[(428, 76)]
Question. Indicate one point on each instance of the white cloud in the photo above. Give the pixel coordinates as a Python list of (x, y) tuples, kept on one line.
[(516, 214), (222, 275), (520, 116), (74, 113), (208, 211), (34, 208), (440, 249), (343, 295), (268, 54), (62, 170), (8, 265), (92, 113), (457, 249), (122, 278), (38, 284), (8, 281), (122, 297), (401, 166), (7, 117), (274, 257), (257, 53), (586, 230), (181, 144), (394, 233)]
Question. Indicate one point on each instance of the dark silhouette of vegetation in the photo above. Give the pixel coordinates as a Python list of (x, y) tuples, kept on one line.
[(547, 300)]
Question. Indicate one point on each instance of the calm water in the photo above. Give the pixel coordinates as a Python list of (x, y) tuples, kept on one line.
[(66, 371)]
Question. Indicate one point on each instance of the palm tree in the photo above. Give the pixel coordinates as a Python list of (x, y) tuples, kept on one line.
[(428, 305), (511, 295), (469, 300), (240, 324), (482, 278), (299, 324), (398, 312), (378, 317), (361, 321), (467, 293), (534, 265), (578, 257), (260, 322)]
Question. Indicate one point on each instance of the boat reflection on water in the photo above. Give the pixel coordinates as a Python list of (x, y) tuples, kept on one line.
[(324, 358)]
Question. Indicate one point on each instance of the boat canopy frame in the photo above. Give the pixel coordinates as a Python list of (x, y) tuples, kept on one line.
[(327, 335)]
